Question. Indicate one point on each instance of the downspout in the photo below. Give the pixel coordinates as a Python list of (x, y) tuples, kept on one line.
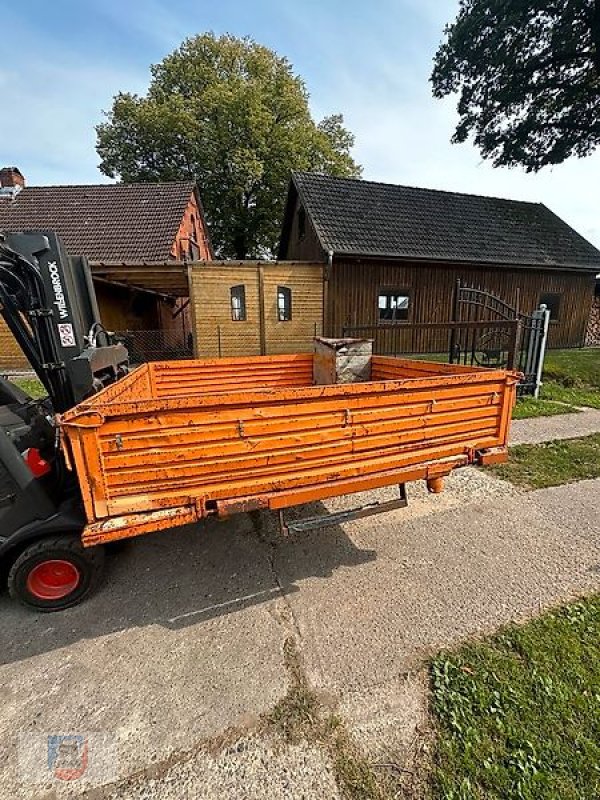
[(325, 323)]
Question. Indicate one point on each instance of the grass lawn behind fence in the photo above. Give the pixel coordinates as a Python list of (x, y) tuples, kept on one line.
[(571, 378), (537, 466), (518, 715)]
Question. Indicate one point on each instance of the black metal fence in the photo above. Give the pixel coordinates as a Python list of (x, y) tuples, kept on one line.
[(530, 348), (486, 343)]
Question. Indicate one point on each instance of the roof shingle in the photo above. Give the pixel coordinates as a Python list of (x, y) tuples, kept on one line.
[(106, 222), (356, 217)]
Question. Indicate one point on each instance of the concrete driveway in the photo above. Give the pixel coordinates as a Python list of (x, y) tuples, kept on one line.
[(181, 651)]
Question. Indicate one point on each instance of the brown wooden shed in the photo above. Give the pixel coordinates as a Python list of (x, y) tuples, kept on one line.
[(394, 253)]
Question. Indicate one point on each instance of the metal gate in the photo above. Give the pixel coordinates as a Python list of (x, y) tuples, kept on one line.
[(492, 348)]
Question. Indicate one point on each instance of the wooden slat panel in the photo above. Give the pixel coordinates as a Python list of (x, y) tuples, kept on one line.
[(355, 285)]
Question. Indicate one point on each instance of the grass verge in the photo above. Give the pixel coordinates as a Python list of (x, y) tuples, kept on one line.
[(571, 380), (537, 466), (573, 367), (572, 395), (518, 716), (528, 407)]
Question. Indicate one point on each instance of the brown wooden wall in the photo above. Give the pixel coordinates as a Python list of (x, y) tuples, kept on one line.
[(354, 287), (307, 247)]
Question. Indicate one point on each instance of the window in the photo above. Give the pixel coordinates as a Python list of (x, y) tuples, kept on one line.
[(284, 304), (193, 251), (393, 305), (301, 223), (552, 302), (238, 303)]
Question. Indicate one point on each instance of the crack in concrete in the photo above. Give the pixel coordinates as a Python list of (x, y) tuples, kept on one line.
[(288, 619)]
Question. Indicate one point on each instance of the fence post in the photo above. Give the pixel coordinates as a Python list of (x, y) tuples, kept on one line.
[(455, 307), (262, 327), (514, 344), (543, 311), (219, 339)]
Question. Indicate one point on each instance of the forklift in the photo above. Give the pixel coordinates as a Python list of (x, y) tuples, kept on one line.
[(48, 302)]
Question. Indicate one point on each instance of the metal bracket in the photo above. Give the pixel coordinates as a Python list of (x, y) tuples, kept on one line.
[(337, 517)]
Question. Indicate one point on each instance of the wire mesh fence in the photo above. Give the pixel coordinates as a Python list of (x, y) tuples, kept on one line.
[(156, 345)]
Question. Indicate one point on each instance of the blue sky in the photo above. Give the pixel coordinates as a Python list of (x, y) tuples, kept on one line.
[(368, 60)]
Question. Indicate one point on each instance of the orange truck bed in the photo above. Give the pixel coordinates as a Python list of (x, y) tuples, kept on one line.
[(177, 441)]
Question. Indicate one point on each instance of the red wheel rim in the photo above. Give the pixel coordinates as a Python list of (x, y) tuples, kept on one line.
[(53, 579)]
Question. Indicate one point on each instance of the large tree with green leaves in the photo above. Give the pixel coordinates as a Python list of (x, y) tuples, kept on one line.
[(528, 74), (233, 115)]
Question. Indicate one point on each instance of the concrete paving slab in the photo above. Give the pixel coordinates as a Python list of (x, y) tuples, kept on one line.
[(253, 769), (439, 579), (563, 426), (184, 640)]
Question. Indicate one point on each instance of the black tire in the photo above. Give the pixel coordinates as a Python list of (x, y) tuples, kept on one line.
[(78, 571)]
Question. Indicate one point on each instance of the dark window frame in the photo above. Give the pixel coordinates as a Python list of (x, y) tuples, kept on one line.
[(554, 305), (284, 314), (238, 293), (389, 293)]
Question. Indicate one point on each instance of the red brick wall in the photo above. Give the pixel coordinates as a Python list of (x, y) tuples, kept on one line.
[(192, 227)]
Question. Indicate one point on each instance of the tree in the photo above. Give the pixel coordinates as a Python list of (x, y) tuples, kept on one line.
[(231, 114), (528, 74)]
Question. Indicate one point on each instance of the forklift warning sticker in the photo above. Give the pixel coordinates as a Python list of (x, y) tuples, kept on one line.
[(67, 335), (89, 758)]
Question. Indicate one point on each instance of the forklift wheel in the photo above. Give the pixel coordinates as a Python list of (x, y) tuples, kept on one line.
[(55, 573)]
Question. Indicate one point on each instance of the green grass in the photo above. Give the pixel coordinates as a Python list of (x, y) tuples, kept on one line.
[(518, 715), (573, 367), (529, 407), (573, 395), (571, 379), (32, 386), (537, 466)]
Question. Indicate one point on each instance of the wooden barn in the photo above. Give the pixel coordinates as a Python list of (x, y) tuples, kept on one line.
[(394, 254)]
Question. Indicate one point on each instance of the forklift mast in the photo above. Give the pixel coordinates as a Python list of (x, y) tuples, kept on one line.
[(48, 302)]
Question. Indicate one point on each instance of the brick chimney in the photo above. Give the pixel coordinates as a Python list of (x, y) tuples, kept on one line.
[(11, 178)]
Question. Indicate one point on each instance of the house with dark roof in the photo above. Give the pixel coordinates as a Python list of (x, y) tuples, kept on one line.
[(138, 223), (394, 253)]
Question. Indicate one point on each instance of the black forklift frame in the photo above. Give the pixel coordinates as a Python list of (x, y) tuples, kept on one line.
[(48, 303)]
